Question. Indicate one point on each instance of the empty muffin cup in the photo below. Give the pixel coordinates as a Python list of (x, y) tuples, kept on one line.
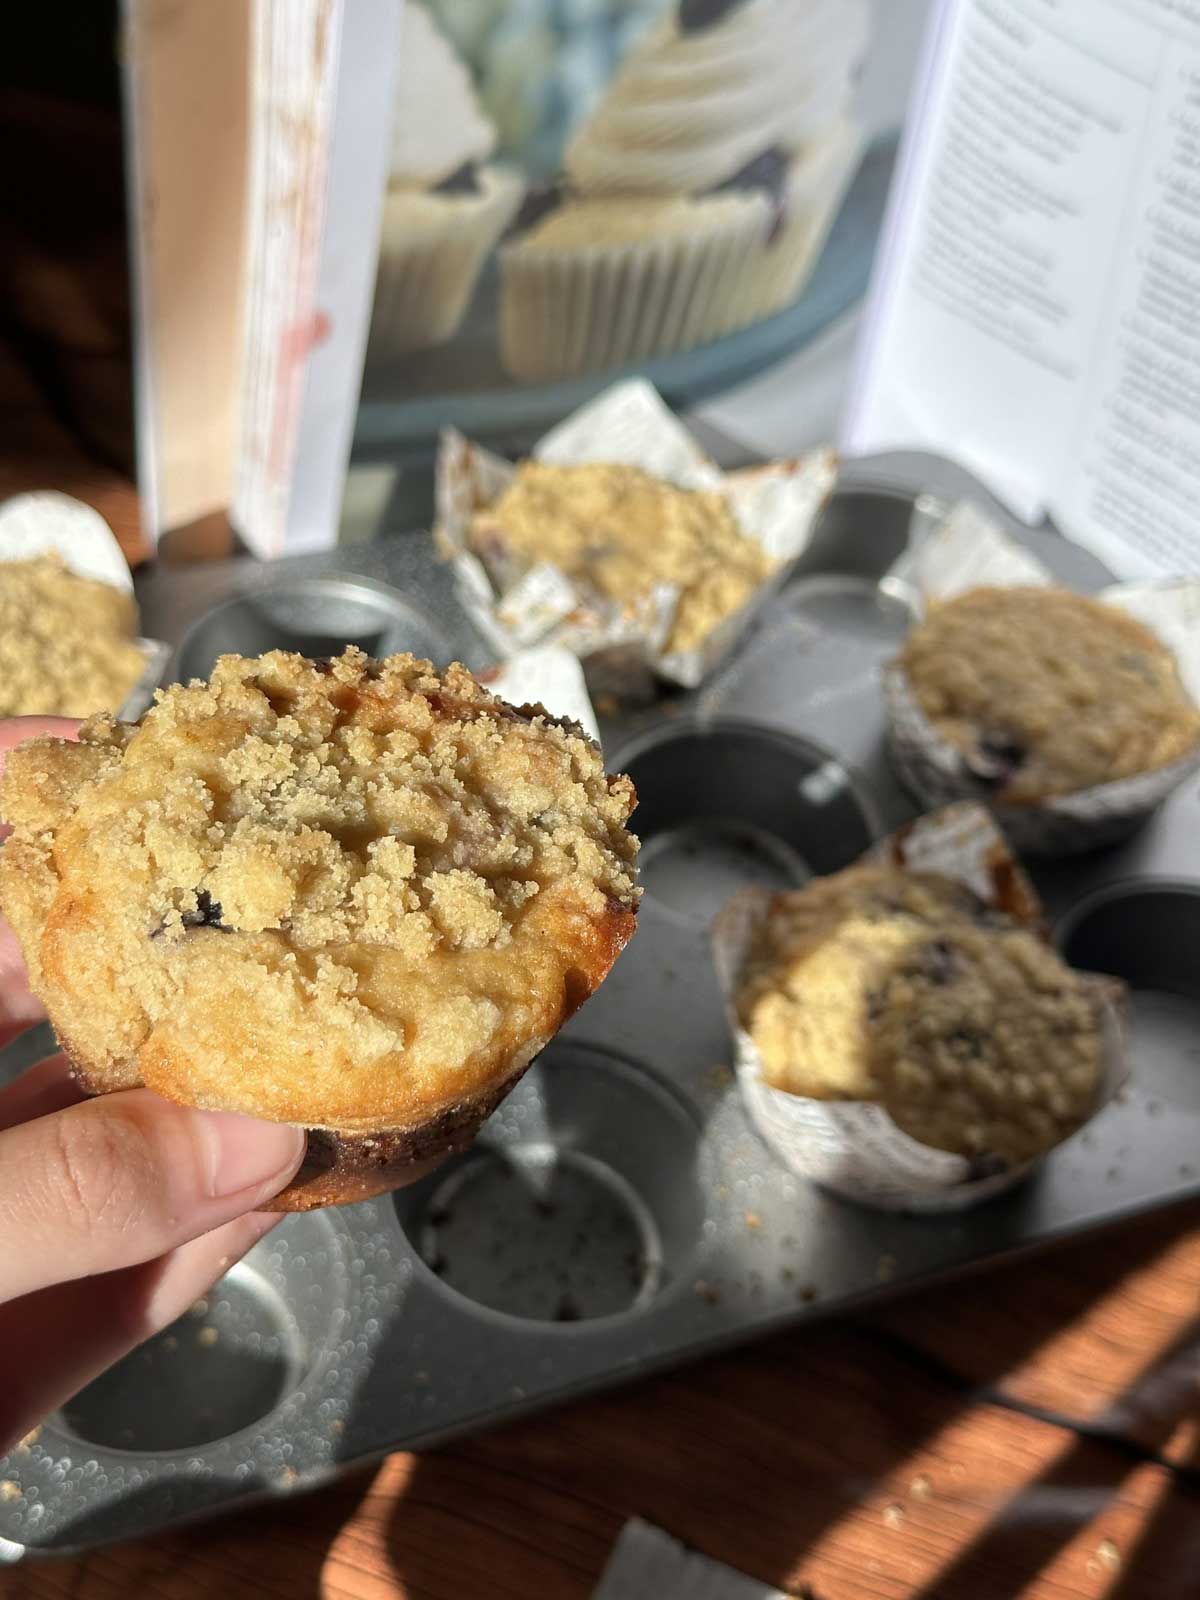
[(1147, 934), (581, 1200), (723, 804), (313, 616), (232, 1359)]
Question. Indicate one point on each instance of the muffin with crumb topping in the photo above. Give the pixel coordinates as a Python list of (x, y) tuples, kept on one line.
[(904, 991), (359, 897), (67, 644), (621, 532), (1067, 715)]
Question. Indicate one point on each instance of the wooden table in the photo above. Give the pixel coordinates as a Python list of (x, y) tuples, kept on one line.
[(1028, 1432)]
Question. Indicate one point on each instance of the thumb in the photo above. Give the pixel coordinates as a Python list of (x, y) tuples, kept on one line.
[(124, 1178)]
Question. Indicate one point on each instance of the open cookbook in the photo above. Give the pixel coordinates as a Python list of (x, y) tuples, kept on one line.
[(1034, 305)]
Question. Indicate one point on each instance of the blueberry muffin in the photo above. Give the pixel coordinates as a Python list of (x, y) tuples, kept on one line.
[(620, 531), (355, 896), (67, 645), (1047, 693), (904, 990)]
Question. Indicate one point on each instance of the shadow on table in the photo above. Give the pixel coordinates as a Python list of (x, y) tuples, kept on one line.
[(754, 1457), (1103, 1485)]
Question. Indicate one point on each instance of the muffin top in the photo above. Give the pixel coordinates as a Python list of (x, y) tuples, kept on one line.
[(66, 643), (621, 531), (1047, 692), (905, 990), (345, 894)]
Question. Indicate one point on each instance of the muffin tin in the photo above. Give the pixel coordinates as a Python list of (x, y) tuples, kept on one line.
[(617, 1213)]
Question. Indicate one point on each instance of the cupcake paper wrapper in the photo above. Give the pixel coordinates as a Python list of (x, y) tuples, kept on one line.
[(572, 311), (776, 505), (960, 548), (817, 185), (853, 1147), (45, 522), (426, 277)]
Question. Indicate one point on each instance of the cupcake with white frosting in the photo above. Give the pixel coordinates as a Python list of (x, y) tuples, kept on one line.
[(698, 192), (446, 204)]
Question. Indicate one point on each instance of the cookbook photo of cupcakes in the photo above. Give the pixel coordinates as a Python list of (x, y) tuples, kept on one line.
[(355, 896), (447, 203), (696, 195), (1072, 717)]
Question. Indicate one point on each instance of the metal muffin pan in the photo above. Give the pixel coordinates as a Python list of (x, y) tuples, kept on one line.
[(618, 1213)]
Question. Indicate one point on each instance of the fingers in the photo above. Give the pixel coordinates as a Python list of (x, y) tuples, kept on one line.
[(15, 731), (45, 1088), (122, 1179), (18, 1007), (61, 1338)]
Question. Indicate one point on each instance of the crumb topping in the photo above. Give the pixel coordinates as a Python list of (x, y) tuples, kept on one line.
[(321, 868), (66, 643), (903, 989), (621, 531), (1048, 692)]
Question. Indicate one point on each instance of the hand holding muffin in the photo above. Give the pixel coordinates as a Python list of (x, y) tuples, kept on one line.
[(350, 896), (120, 1211)]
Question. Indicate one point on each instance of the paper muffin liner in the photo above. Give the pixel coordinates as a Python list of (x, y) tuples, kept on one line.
[(565, 312), (46, 522), (960, 548), (776, 505), (816, 186), (853, 1147), (427, 270)]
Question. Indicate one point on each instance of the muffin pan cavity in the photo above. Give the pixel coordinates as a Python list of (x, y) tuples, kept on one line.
[(723, 804), (227, 1363), (579, 1200), (618, 1213), (315, 616), (1149, 935)]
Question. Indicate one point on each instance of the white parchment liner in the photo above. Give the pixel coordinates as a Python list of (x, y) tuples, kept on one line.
[(549, 676), (776, 505), (965, 550), (854, 1147), (45, 521)]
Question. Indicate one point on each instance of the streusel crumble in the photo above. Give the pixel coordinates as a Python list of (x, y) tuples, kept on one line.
[(904, 990), (1047, 692), (66, 643), (621, 531), (349, 895)]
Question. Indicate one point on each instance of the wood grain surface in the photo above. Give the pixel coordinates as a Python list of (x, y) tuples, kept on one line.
[(1025, 1432)]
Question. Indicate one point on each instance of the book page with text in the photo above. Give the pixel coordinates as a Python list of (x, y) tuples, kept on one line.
[(1033, 313)]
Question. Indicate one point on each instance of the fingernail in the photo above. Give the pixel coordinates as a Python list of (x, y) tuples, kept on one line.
[(244, 1153)]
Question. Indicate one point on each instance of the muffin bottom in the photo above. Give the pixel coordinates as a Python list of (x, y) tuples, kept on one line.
[(340, 1168)]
